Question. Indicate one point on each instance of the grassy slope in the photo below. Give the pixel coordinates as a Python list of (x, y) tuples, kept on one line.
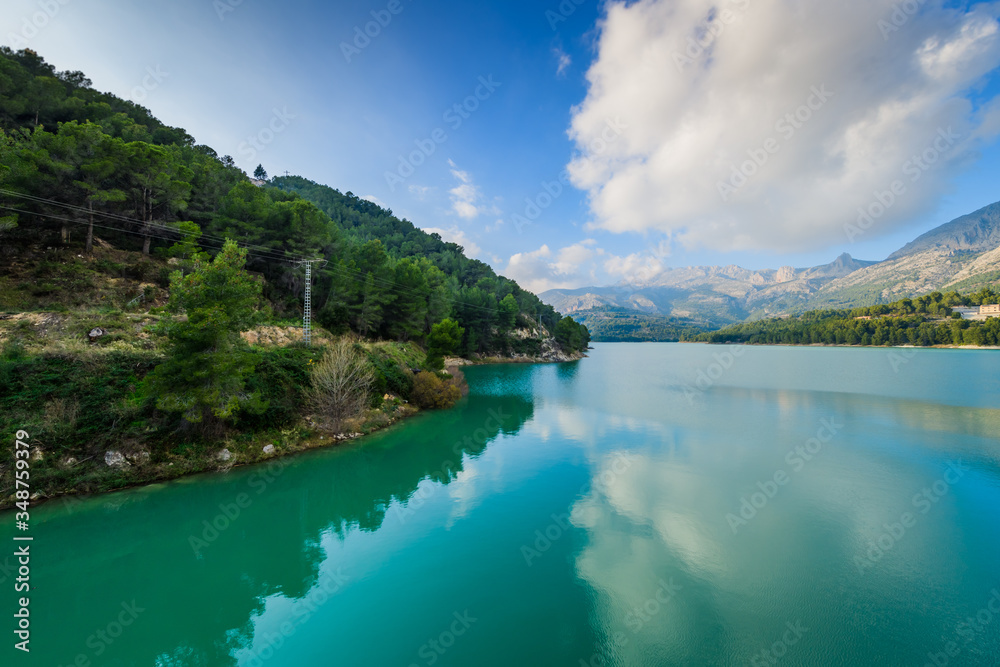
[(78, 400)]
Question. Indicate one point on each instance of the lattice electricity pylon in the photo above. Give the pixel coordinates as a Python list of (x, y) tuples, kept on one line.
[(307, 309)]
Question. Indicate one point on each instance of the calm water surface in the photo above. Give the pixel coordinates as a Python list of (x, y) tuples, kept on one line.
[(649, 505)]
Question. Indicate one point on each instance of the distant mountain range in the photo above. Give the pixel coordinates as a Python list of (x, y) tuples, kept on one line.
[(963, 254)]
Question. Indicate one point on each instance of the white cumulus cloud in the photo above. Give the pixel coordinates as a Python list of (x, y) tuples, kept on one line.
[(543, 269), (767, 124)]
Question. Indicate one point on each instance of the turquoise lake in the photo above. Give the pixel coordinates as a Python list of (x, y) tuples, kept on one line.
[(653, 504)]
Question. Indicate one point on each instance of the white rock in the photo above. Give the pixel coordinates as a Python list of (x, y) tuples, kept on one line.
[(269, 449), (37, 454), (115, 459), (224, 455)]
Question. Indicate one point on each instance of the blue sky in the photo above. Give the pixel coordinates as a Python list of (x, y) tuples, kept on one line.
[(559, 76)]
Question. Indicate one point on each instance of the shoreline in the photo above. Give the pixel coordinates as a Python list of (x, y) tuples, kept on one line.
[(487, 361), (860, 347), (214, 465), (314, 440)]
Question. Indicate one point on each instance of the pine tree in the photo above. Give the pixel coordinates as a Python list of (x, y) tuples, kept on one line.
[(208, 361)]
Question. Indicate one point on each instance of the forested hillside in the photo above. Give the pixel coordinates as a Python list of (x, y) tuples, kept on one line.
[(925, 321), (482, 301), (76, 163), (622, 325)]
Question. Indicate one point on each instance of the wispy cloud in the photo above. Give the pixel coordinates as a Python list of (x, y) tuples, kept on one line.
[(466, 197), (420, 191), (563, 61)]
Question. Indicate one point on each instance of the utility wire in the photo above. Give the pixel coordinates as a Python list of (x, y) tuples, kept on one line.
[(114, 216), (262, 252), (129, 231)]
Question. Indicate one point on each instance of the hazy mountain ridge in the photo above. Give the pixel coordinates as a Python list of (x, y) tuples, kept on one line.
[(975, 232), (963, 253)]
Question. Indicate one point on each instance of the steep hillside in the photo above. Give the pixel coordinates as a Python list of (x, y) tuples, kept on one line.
[(75, 162), (962, 254), (976, 232)]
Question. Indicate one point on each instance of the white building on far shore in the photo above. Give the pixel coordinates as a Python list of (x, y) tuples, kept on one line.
[(978, 313)]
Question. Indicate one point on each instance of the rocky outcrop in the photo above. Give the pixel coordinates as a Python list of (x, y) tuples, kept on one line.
[(139, 458), (273, 336), (114, 459)]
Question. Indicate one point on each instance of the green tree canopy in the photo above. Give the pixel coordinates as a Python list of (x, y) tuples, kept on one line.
[(208, 361), (445, 338)]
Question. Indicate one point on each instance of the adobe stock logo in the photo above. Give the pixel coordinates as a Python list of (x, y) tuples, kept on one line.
[(707, 377), (32, 25), (265, 137), (786, 126), (550, 191), (883, 200), (455, 116), (796, 458), (707, 33), (363, 35), (901, 14), (223, 7), (566, 9), (154, 77), (924, 501)]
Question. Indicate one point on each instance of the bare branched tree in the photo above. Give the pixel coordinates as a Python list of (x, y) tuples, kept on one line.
[(341, 382)]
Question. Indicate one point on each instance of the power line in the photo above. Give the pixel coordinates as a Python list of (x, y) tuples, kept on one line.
[(129, 231), (352, 275), (147, 224), (261, 252), (258, 251)]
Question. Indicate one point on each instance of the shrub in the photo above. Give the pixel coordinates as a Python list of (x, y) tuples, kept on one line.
[(432, 393), (341, 383), (282, 380), (163, 277), (390, 376)]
